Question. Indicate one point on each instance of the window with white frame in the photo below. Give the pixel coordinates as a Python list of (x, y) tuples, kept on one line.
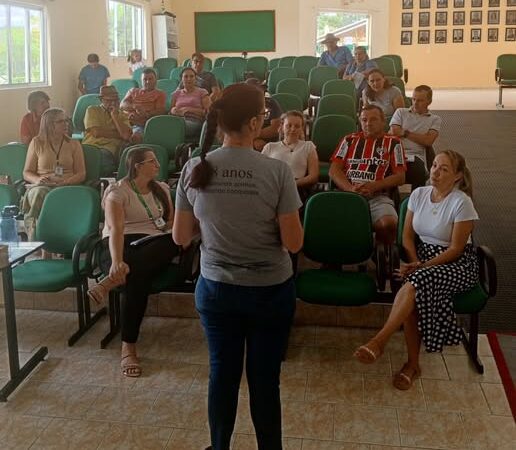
[(23, 53), (125, 23)]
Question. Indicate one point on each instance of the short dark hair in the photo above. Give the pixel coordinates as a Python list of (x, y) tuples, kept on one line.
[(198, 56), (373, 108), (34, 97), (148, 70), (424, 88), (93, 58)]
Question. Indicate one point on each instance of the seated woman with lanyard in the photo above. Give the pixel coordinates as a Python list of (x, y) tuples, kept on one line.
[(442, 262), (53, 159), (245, 207), (136, 206)]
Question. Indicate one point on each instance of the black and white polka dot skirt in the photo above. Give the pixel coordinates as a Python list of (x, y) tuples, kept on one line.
[(435, 286)]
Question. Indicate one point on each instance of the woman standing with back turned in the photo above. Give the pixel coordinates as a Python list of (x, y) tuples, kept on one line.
[(245, 207)]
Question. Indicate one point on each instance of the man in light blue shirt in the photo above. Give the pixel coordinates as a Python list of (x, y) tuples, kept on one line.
[(93, 76), (359, 69), (335, 56)]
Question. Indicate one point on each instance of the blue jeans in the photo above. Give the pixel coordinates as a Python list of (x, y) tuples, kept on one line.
[(254, 321)]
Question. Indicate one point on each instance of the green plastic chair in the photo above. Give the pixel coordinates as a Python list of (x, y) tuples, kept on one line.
[(327, 131), (161, 155), (273, 63), (168, 86), (386, 65), (69, 225), (471, 302), (123, 85), (175, 74), (345, 215), (238, 65), (12, 161), (167, 131), (316, 79), (286, 61), (398, 66), (82, 104), (218, 61), (163, 66), (288, 102), (296, 86), (8, 195), (258, 65), (186, 62), (339, 87), (278, 74), (208, 64), (216, 142), (224, 75), (303, 64), (341, 104), (505, 74), (398, 82), (92, 161)]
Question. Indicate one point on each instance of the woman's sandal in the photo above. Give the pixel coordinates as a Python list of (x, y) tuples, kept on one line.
[(100, 291), (368, 353), (405, 377), (130, 368)]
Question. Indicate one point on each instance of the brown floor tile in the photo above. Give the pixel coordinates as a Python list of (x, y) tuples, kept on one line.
[(293, 384), (461, 369), (189, 440), (308, 314), (489, 432), (432, 364), (454, 396), (345, 337), (335, 387), (496, 399), (311, 358), (327, 445), (167, 376), (368, 316), (381, 392), (432, 429), (133, 437), (19, 432), (365, 424), (308, 420), (349, 364), (172, 409), (302, 335), (248, 442), (71, 434)]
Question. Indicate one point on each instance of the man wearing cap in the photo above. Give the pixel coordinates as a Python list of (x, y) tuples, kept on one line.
[(107, 127), (334, 55)]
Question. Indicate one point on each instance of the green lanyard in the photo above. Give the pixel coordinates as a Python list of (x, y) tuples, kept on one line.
[(144, 203)]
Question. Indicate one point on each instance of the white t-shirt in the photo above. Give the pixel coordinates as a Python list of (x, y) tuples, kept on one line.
[(296, 156), (433, 222)]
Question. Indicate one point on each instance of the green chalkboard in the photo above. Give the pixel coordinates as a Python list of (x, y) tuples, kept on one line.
[(235, 31)]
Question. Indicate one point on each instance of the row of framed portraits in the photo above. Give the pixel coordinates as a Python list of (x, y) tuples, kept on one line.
[(459, 18), (425, 4), (457, 37)]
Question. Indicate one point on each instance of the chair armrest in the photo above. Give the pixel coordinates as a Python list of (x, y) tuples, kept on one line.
[(86, 244), (488, 274), (405, 75), (498, 74)]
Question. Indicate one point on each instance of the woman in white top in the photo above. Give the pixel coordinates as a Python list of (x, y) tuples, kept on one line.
[(300, 155), (441, 263), (381, 92), (135, 207)]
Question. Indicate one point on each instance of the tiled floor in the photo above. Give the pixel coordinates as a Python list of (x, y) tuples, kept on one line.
[(78, 399)]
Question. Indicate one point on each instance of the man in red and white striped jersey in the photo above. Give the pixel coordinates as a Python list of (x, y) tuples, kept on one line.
[(371, 163)]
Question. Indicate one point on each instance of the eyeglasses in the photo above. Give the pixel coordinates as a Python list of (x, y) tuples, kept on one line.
[(150, 160), (266, 114)]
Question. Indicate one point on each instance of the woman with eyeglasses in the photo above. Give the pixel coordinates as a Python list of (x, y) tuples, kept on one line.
[(245, 207), (53, 159), (136, 206)]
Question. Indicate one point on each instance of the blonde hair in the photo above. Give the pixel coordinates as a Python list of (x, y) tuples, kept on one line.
[(134, 52), (47, 127), (459, 165)]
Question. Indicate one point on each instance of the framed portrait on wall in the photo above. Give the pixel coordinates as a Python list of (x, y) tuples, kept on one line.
[(459, 17), (510, 18), (476, 34), (476, 3), (493, 17), (424, 4), (510, 34), (458, 3), (406, 20), (458, 36), (492, 35), (423, 37), (406, 38), (441, 18), (494, 3), (424, 19), (440, 36), (511, 2), (442, 3), (475, 18), (408, 4)]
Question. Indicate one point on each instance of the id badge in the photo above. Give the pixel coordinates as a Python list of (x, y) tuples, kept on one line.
[(160, 223), (59, 171)]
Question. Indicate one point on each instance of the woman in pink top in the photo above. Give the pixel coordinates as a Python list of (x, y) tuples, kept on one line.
[(192, 103)]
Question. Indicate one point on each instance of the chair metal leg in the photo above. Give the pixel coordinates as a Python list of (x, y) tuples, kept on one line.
[(114, 319), (471, 343), (500, 104)]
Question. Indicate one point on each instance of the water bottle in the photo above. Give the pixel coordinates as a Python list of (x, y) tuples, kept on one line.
[(8, 227)]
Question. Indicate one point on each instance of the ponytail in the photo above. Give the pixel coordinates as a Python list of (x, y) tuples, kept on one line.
[(466, 183), (202, 172)]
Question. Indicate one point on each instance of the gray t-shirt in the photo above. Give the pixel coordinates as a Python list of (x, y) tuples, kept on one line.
[(384, 100), (238, 212), (417, 123)]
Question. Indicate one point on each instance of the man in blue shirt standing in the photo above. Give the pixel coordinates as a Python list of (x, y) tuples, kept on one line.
[(93, 76), (334, 55)]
